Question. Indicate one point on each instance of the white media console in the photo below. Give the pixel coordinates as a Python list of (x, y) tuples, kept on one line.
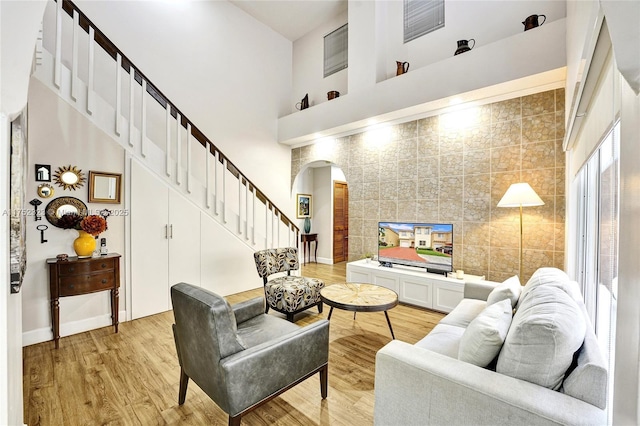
[(414, 286)]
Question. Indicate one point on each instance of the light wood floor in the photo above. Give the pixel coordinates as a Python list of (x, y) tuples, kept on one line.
[(131, 378)]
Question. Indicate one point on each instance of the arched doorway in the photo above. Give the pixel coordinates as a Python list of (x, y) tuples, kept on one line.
[(326, 184)]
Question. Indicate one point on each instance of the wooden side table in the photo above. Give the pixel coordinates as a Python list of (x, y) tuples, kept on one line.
[(82, 276), (307, 239)]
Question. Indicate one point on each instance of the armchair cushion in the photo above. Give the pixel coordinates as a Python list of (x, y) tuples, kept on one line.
[(259, 371), (264, 328), (292, 293)]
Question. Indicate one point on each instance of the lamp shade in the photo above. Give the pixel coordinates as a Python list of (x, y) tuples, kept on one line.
[(520, 194)]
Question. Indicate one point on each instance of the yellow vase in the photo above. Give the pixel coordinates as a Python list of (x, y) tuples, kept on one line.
[(84, 245)]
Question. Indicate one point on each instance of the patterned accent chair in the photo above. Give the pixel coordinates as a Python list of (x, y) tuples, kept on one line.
[(286, 294), (240, 357)]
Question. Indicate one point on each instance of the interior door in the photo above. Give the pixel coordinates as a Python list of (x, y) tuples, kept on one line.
[(340, 222), (149, 243), (184, 241)]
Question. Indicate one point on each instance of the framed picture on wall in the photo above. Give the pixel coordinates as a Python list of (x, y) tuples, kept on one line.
[(303, 203)]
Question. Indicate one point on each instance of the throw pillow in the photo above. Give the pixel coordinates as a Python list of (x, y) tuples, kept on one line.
[(546, 331), (508, 289), (484, 336)]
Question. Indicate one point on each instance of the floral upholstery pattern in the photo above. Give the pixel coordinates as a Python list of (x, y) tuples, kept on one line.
[(272, 261), (287, 294), (290, 294)]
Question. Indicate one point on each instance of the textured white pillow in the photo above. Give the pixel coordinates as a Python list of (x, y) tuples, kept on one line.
[(483, 337), (508, 289), (546, 331)]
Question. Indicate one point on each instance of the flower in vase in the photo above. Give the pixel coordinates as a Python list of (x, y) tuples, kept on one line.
[(92, 224)]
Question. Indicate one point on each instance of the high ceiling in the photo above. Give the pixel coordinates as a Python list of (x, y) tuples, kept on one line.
[(292, 18)]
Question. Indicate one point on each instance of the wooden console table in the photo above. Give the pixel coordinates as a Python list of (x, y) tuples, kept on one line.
[(307, 239), (82, 276)]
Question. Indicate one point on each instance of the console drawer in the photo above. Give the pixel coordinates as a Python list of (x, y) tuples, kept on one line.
[(77, 268), (88, 283)]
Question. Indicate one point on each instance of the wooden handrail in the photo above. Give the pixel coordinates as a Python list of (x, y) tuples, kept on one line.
[(112, 50)]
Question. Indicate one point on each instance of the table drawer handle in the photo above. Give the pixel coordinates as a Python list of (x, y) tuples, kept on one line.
[(71, 286), (72, 269), (104, 265), (104, 281)]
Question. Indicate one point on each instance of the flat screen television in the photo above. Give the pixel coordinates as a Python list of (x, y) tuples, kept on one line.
[(422, 245)]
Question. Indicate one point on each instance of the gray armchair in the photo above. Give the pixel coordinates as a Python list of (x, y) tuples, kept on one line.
[(240, 357)]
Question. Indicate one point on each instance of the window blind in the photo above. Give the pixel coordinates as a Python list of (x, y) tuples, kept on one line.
[(336, 50), (422, 17)]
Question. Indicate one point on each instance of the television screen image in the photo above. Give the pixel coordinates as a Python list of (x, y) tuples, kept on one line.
[(423, 245)]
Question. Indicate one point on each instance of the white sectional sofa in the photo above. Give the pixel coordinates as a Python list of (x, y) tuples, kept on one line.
[(549, 370)]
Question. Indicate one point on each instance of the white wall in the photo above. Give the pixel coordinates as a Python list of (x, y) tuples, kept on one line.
[(376, 42), (484, 21), (60, 136), (363, 41), (304, 184), (230, 74), (626, 393), (19, 24), (308, 68), (489, 73), (323, 212)]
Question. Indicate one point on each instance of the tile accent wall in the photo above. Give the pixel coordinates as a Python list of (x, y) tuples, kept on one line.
[(454, 168)]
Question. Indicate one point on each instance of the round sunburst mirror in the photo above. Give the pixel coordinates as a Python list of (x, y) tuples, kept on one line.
[(69, 177)]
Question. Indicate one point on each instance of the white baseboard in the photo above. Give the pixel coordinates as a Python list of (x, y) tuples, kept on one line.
[(325, 260), (69, 328)]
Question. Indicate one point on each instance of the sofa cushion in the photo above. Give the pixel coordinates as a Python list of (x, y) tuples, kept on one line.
[(508, 289), (443, 339), (464, 312), (545, 276), (547, 329), (588, 381), (483, 338)]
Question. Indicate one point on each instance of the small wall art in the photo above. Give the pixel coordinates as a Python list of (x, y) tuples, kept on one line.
[(303, 203), (43, 173)]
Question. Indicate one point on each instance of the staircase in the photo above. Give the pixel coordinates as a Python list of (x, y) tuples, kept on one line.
[(101, 83)]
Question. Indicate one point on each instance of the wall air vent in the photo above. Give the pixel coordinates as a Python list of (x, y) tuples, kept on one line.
[(336, 50), (421, 17)]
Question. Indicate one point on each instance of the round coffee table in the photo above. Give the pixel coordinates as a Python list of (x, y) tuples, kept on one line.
[(357, 297)]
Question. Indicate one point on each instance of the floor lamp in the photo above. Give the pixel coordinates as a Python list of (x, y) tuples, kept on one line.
[(520, 195)]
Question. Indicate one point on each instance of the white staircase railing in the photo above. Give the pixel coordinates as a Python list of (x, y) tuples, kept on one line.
[(101, 83)]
